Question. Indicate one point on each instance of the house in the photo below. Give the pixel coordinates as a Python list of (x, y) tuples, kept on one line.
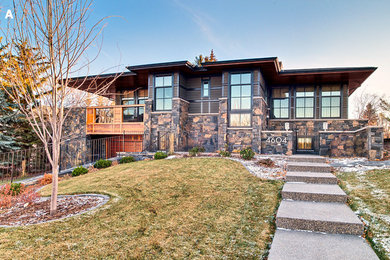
[(234, 104)]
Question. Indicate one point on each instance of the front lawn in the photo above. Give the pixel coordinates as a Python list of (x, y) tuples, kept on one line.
[(370, 197), (180, 208)]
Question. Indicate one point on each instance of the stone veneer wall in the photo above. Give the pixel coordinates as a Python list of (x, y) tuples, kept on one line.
[(179, 123), (277, 142), (222, 123), (365, 142), (74, 150), (203, 131)]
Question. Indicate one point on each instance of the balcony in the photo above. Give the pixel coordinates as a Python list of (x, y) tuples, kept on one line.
[(115, 120)]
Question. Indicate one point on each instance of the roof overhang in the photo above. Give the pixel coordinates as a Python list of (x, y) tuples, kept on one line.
[(270, 68)]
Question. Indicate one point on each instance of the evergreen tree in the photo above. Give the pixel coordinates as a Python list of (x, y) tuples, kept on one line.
[(200, 59), (8, 118), (18, 129)]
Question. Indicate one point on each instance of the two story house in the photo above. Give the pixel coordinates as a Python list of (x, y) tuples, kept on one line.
[(235, 104)]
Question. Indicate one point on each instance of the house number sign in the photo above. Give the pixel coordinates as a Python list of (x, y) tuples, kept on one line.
[(276, 140)]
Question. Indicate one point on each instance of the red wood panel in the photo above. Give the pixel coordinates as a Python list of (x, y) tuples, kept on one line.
[(127, 143)]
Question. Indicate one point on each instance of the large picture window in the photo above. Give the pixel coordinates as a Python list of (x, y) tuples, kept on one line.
[(240, 99), (280, 102), (330, 101), (163, 94), (304, 102)]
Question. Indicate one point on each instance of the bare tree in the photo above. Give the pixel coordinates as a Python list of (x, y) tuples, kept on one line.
[(59, 31), (363, 101)]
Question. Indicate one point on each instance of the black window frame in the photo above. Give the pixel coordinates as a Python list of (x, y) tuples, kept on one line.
[(305, 97), (340, 96), (288, 103), (163, 87), (240, 111)]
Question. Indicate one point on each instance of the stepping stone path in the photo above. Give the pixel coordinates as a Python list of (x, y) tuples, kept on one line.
[(313, 220)]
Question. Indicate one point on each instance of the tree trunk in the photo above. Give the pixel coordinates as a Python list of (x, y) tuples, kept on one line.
[(55, 170)]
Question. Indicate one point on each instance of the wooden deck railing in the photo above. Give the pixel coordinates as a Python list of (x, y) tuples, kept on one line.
[(125, 119)]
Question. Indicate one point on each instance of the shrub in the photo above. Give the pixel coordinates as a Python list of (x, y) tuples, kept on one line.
[(160, 155), (11, 194), (102, 164), (79, 171), (46, 179), (12, 189), (127, 159), (247, 153), (224, 153), (266, 162), (195, 151)]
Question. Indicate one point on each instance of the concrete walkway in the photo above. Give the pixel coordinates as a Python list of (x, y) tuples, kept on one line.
[(313, 221)]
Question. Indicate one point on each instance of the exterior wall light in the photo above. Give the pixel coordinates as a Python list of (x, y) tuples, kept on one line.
[(325, 126), (287, 126)]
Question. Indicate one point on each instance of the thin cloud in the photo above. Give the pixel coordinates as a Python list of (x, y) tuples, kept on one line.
[(202, 21)]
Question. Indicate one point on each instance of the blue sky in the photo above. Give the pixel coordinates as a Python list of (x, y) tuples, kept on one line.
[(302, 34)]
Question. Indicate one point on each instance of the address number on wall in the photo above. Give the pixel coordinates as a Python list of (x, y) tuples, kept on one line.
[(276, 140)]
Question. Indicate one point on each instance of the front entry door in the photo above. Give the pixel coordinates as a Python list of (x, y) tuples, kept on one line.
[(305, 144)]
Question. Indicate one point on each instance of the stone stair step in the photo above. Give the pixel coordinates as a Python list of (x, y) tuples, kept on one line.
[(307, 167), (319, 217), (314, 192), (307, 158), (311, 177), (292, 245)]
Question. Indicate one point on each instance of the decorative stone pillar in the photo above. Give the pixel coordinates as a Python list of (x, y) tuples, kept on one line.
[(222, 123), (147, 124)]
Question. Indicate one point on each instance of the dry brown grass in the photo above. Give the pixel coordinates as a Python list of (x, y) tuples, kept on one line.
[(369, 194), (181, 208)]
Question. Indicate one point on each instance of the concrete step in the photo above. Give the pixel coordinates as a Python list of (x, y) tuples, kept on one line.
[(314, 192), (319, 217), (311, 177), (294, 245), (307, 158), (307, 167)]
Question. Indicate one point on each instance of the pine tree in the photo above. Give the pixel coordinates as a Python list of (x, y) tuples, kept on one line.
[(8, 118)]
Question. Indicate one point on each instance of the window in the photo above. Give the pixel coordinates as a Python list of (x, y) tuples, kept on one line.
[(205, 89), (128, 98), (330, 101), (280, 102), (240, 99), (163, 98), (304, 102)]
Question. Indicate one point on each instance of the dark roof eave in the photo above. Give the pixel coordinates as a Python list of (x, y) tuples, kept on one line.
[(326, 70), (183, 63), (244, 61)]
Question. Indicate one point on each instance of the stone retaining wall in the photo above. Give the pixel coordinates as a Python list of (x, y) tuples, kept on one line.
[(277, 142)]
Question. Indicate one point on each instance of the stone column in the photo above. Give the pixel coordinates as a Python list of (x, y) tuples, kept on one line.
[(147, 124), (222, 123)]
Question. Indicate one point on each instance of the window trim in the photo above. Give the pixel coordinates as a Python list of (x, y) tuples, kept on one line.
[(289, 102), (341, 102), (240, 111), (314, 100), (162, 87)]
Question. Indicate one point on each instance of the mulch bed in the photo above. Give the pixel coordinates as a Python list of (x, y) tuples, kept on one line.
[(38, 211)]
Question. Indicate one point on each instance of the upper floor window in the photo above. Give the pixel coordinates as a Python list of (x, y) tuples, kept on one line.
[(163, 94), (280, 102), (128, 98), (330, 101), (240, 99), (304, 102), (205, 89)]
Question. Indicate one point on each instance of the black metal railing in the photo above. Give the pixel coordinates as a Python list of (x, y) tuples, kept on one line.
[(75, 152)]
